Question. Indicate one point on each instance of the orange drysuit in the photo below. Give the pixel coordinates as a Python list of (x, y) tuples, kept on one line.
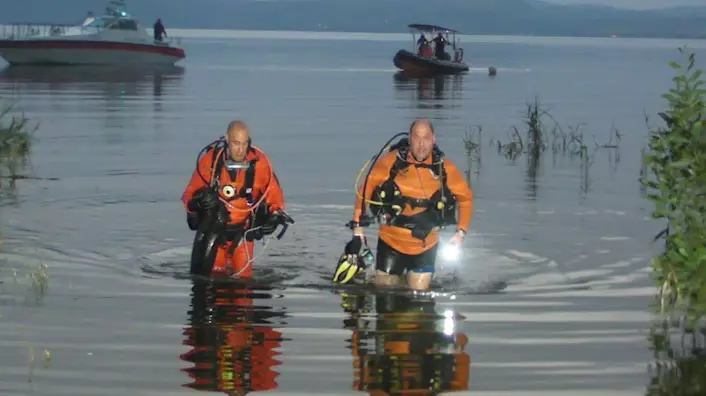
[(407, 348), (233, 350), (265, 183), (416, 182)]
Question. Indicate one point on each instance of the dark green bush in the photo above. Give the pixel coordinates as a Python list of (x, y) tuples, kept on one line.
[(676, 183)]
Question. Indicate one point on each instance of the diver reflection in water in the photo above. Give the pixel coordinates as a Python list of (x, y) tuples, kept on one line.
[(407, 347), (233, 340)]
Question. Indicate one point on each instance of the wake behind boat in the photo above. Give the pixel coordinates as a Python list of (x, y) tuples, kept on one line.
[(115, 38), (428, 62)]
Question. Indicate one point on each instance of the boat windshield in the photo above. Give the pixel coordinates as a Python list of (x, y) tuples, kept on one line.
[(120, 23), (115, 17)]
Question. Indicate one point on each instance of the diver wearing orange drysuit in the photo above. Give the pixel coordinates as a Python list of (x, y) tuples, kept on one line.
[(407, 347), (233, 342), (230, 194), (419, 182)]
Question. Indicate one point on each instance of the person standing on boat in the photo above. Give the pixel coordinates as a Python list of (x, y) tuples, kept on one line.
[(89, 18), (159, 30), (232, 199), (423, 46), (416, 190), (421, 42), (439, 44)]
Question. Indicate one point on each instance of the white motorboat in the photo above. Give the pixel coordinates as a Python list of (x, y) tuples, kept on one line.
[(115, 38)]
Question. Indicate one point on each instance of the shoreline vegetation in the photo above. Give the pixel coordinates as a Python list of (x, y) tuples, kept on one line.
[(674, 180)]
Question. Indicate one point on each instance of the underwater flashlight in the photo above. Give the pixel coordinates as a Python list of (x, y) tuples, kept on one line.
[(450, 251)]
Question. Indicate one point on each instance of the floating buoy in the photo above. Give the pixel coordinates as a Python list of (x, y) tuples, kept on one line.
[(492, 71)]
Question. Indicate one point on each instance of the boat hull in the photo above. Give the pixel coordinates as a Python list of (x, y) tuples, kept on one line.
[(412, 64), (87, 52)]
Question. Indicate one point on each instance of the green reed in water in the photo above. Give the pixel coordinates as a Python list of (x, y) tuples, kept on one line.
[(675, 181), (16, 137), (541, 133)]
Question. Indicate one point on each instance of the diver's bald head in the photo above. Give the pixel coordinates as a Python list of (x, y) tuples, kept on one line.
[(421, 125), (237, 129), (421, 139), (238, 139)]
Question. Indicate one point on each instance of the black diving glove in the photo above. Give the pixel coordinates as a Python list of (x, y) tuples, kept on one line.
[(276, 219), (354, 245), (204, 199)]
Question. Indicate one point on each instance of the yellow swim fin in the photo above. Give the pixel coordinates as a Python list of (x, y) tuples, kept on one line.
[(348, 267)]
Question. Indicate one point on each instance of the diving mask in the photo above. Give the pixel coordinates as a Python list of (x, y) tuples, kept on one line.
[(235, 165)]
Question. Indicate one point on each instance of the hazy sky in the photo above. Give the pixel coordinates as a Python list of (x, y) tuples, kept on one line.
[(634, 3)]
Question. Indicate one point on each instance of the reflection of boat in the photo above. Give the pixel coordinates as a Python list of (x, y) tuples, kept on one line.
[(431, 91), (116, 38), (232, 339), (407, 347), (86, 78), (423, 61), (87, 74)]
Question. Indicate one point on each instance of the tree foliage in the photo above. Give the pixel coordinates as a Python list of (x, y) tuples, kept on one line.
[(676, 184)]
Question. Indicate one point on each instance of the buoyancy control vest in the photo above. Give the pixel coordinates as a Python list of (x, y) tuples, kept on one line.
[(440, 206), (211, 229), (227, 191)]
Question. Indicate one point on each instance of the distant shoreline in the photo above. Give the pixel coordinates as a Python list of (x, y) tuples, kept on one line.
[(389, 36), (379, 36)]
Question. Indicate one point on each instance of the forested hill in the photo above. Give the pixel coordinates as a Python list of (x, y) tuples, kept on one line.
[(505, 17)]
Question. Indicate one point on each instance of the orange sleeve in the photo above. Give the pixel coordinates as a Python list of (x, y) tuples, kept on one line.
[(378, 175), (196, 182), (456, 182), (275, 195)]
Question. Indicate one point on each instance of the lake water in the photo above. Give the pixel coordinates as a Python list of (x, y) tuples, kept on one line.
[(551, 297)]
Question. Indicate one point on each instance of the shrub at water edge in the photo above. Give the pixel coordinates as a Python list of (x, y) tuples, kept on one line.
[(676, 184)]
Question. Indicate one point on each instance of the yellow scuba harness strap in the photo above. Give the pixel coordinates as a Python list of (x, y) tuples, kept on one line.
[(387, 202)]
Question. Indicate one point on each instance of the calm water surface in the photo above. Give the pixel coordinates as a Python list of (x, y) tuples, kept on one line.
[(551, 297)]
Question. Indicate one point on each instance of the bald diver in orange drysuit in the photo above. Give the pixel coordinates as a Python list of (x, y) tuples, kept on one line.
[(233, 342), (232, 199), (407, 347), (414, 191)]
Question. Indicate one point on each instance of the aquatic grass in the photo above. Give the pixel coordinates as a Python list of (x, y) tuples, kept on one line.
[(540, 134), (543, 132), (674, 180), (33, 285), (16, 138), (472, 143), (38, 278), (46, 359)]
